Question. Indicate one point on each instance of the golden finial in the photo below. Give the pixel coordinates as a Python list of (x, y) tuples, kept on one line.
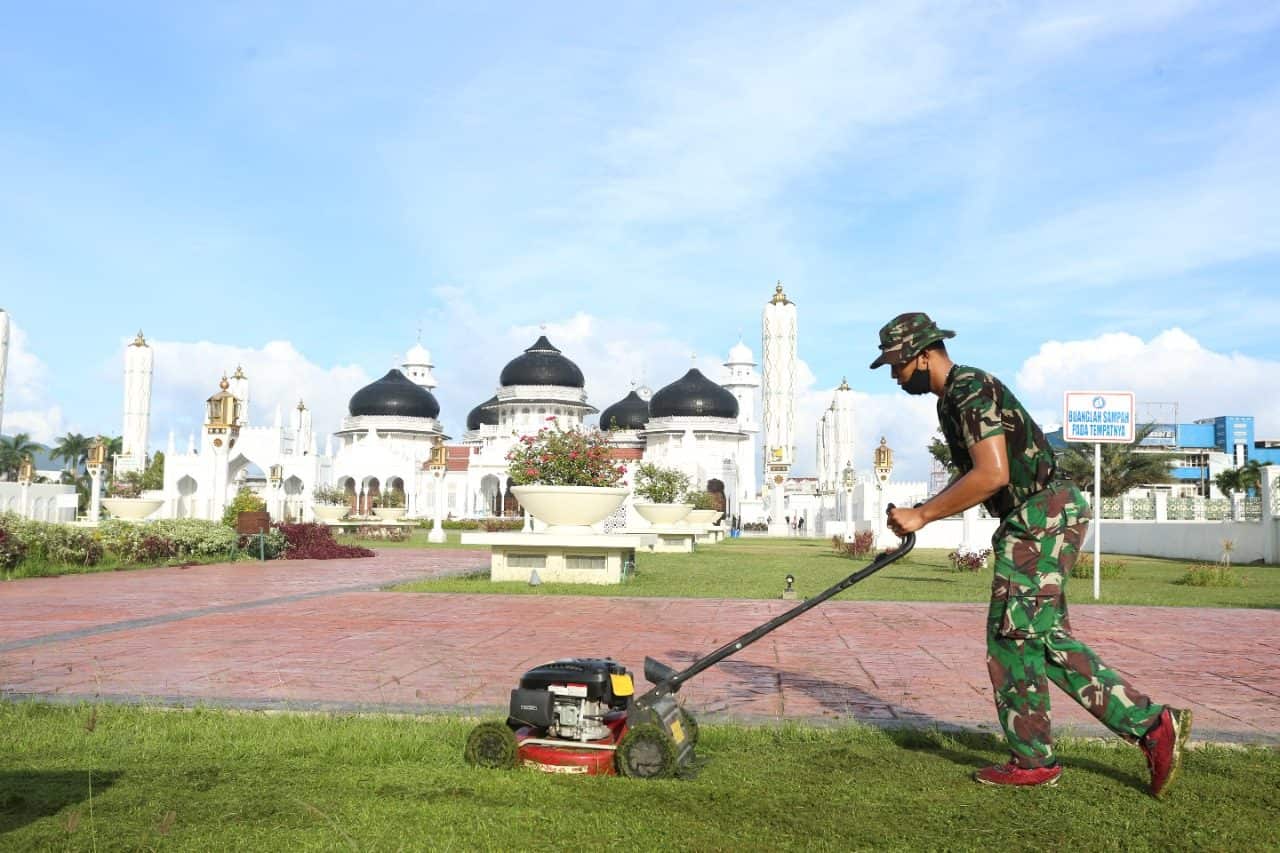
[(239, 374), (844, 384), (301, 406), (224, 384), (139, 341), (779, 297)]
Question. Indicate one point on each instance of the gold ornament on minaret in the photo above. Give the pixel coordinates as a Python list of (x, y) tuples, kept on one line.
[(223, 409), (883, 458), (139, 341), (779, 297)]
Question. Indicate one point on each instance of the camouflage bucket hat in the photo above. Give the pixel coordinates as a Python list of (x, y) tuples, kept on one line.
[(905, 336)]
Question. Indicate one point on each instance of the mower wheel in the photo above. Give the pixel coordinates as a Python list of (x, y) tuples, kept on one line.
[(690, 726), (646, 752), (491, 744)]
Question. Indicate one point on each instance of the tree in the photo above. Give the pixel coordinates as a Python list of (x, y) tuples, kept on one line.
[(153, 477), (115, 446), (12, 452), (941, 451), (1124, 466), (73, 448), (1246, 479)]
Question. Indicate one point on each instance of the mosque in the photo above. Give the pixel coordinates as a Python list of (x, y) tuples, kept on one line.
[(392, 442)]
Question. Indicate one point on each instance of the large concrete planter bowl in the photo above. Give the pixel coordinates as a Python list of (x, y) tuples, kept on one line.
[(703, 516), (131, 509), (389, 513), (329, 512), (662, 514), (569, 509)]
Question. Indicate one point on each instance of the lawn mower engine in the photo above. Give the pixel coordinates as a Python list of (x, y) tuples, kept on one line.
[(572, 699), (580, 715)]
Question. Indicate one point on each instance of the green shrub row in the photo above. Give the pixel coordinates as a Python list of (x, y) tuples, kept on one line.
[(34, 545)]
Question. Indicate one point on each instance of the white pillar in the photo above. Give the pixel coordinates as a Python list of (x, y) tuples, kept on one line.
[(1162, 506), (437, 525), (95, 492), (1270, 533), (848, 513)]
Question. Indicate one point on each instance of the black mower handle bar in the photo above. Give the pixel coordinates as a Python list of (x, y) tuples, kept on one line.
[(658, 673)]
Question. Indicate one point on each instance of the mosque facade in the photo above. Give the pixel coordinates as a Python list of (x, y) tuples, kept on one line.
[(392, 441)]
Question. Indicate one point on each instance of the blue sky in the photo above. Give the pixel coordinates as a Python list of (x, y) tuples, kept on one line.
[(1084, 192)]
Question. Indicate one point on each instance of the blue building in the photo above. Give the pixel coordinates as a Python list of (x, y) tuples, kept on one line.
[(1204, 448)]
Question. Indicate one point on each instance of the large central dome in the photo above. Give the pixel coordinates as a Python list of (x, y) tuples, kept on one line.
[(542, 364), (693, 396), (394, 394)]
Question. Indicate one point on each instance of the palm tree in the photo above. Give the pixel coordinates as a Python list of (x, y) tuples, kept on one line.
[(115, 446), (1247, 479), (1123, 465), (12, 452), (74, 449)]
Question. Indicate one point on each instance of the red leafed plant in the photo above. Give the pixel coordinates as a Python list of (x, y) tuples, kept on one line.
[(315, 542)]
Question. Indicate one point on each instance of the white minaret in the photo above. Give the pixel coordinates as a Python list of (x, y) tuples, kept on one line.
[(779, 328), (139, 365), (842, 453), (240, 389), (744, 383), (417, 366), (4, 360)]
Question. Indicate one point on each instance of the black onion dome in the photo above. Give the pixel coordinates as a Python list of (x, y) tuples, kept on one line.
[(394, 394), (693, 395), (485, 413), (631, 412), (542, 364)]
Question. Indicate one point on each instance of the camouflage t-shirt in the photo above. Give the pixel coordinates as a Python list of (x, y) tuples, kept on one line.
[(976, 405)]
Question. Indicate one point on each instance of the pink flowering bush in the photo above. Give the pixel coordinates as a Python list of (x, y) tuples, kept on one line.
[(556, 457)]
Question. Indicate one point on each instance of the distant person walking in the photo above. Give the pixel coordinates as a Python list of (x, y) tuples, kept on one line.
[(1006, 464)]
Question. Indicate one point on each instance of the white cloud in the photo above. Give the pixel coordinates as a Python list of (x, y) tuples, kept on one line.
[(26, 405), (187, 373), (1170, 367)]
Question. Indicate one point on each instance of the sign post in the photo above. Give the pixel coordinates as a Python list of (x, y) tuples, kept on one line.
[(1100, 417)]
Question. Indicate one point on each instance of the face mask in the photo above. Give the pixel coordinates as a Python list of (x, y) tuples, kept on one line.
[(918, 383)]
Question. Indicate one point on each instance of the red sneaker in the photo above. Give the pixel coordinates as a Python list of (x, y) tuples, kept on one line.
[(1163, 746), (1024, 777)]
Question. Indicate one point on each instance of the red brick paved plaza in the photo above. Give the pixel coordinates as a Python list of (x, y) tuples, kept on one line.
[(320, 634)]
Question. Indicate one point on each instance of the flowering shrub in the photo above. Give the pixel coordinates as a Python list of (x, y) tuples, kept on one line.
[(330, 495), (969, 561), (315, 542), (12, 551), (168, 538), (126, 486), (498, 525), (556, 457), (42, 543), (860, 546), (661, 485)]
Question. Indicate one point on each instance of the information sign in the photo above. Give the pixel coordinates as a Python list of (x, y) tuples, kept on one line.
[(1099, 416)]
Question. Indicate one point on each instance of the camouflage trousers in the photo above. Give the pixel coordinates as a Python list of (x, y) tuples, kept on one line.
[(1029, 640)]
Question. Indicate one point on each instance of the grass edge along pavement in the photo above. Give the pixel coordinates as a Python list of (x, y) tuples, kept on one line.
[(207, 779), (755, 568)]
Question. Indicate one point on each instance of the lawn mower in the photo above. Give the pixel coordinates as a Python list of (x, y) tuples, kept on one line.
[(581, 715)]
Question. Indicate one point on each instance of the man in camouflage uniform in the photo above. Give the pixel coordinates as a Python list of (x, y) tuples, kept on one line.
[(1005, 463)]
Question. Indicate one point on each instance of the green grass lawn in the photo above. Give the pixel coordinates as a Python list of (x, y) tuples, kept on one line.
[(120, 778), (756, 568), (417, 539)]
